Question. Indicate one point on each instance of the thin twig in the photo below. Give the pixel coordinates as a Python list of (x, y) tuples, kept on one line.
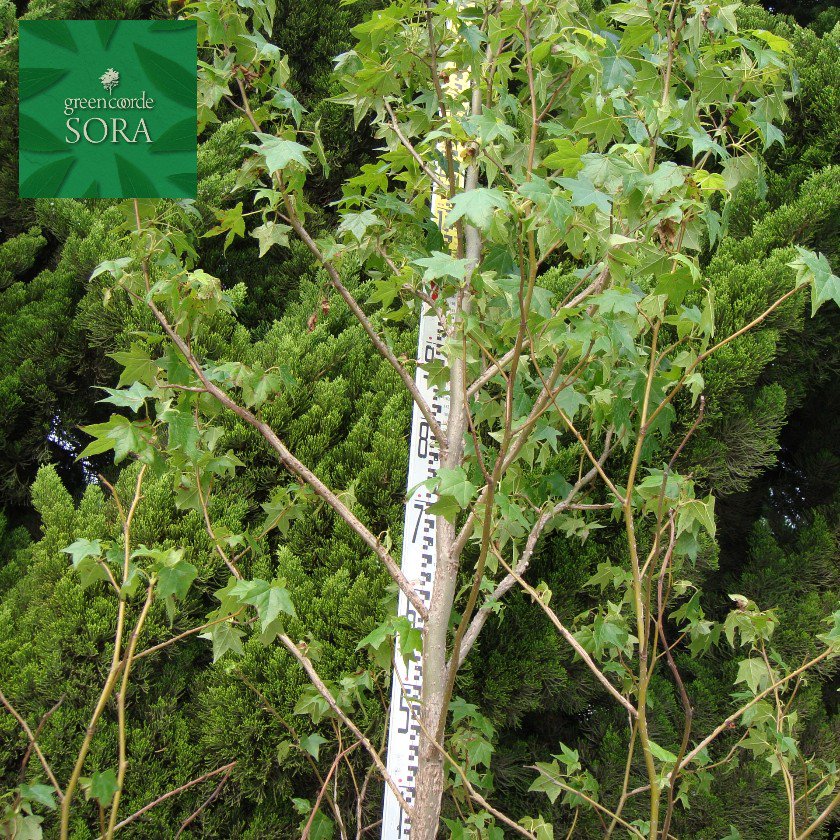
[(194, 815), (459, 770), (335, 278), (116, 659), (688, 709), (185, 634), (509, 581), (821, 818), (336, 761), (210, 532), (288, 460), (33, 741), (410, 148), (309, 668), (592, 802), (567, 635), (731, 719), (226, 768), (121, 707), (38, 729)]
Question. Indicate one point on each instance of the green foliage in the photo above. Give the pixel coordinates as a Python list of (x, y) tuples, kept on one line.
[(18, 254), (812, 133), (753, 385), (319, 560), (56, 331), (295, 355)]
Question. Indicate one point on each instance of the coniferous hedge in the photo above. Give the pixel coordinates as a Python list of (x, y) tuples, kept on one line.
[(778, 540)]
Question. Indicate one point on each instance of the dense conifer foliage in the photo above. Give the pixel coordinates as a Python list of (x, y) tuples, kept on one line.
[(766, 449)]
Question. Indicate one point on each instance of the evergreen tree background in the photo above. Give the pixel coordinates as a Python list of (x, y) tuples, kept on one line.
[(768, 448)]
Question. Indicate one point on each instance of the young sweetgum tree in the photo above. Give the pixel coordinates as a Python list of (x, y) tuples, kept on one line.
[(587, 161)]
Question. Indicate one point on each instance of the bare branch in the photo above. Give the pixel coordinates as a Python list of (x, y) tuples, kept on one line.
[(194, 815), (33, 742), (441, 184), (288, 460), (573, 642), (307, 666), (226, 768), (524, 561)]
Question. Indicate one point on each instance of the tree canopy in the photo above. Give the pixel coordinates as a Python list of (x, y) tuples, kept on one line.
[(205, 407)]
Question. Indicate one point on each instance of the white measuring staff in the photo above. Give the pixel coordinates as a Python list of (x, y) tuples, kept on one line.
[(419, 553), (419, 556)]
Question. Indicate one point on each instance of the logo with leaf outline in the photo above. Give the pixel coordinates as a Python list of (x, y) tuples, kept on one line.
[(52, 165), (110, 79)]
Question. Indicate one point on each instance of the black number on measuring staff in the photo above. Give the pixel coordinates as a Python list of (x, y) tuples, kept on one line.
[(420, 507), (423, 440)]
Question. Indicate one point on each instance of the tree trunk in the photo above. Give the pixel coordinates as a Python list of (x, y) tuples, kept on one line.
[(434, 702), (429, 783)]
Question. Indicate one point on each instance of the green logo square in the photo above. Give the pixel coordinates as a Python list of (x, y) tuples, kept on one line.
[(107, 109)]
